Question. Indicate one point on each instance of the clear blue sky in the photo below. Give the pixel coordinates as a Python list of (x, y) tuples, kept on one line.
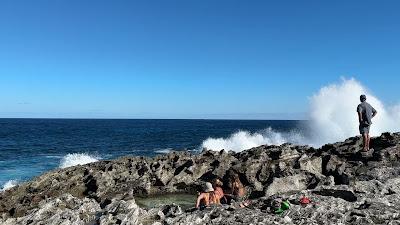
[(190, 59)]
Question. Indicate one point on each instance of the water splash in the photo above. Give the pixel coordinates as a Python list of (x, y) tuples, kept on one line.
[(9, 184), (332, 117), (75, 159)]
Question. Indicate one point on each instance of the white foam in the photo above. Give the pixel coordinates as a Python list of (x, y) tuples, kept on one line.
[(163, 151), (75, 159), (242, 140), (9, 184), (332, 118), (53, 156)]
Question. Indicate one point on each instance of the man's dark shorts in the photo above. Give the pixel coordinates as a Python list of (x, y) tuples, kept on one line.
[(364, 129)]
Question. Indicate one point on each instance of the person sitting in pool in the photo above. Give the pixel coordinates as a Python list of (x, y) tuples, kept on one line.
[(207, 197), (217, 185), (238, 192)]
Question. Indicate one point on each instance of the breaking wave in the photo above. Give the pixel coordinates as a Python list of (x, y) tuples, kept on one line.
[(163, 151), (332, 117), (9, 184), (75, 159), (242, 140)]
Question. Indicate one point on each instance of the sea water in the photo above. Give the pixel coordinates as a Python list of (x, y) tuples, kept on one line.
[(29, 147)]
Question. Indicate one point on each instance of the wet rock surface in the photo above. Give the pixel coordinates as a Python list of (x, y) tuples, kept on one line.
[(345, 186)]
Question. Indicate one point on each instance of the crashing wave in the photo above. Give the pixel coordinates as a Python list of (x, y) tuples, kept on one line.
[(75, 159), (9, 184), (332, 118)]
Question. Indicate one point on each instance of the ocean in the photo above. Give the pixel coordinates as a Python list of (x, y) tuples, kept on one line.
[(30, 147)]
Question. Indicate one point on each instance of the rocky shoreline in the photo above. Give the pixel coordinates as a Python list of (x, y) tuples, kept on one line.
[(345, 187)]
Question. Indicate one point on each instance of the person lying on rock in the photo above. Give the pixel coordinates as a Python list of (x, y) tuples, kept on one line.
[(238, 192), (365, 114), (217, 185), (208, 197)]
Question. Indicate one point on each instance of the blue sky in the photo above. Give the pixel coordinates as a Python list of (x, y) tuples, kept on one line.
[(190, 59)]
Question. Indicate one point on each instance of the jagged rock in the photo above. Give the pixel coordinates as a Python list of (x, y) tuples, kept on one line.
[(393, 186), (312, 165), (63, 210), (344, 192), (346, 188), (169, 211), (282, 185), (121, 212)]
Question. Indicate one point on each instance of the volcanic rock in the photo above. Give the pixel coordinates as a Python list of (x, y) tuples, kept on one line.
[(345, 187)]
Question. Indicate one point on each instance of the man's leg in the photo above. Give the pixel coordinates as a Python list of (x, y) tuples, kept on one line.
[(368, 137), (365, 141)]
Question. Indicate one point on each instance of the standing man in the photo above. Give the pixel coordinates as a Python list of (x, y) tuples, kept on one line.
[(365, 114)]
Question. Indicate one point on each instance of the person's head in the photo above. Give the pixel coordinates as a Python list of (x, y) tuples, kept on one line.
[(217, 183), (363, 98), (208, 187), (235, 180)]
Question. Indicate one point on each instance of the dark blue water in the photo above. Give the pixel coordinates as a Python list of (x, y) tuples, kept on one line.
[(29, 147)]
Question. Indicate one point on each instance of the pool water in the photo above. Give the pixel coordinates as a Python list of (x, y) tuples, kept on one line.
[(185, 201)]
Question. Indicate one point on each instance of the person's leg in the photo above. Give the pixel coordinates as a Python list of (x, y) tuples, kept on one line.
[(361, 128), (365, 141), (368, 137)]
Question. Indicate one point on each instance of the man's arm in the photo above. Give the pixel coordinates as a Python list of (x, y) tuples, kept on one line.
[(374, 112), (359, 112)]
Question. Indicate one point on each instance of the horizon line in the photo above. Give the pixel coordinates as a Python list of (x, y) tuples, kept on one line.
[(94, 118)]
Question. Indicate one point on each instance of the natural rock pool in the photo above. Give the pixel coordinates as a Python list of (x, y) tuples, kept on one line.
[(183, 200)]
